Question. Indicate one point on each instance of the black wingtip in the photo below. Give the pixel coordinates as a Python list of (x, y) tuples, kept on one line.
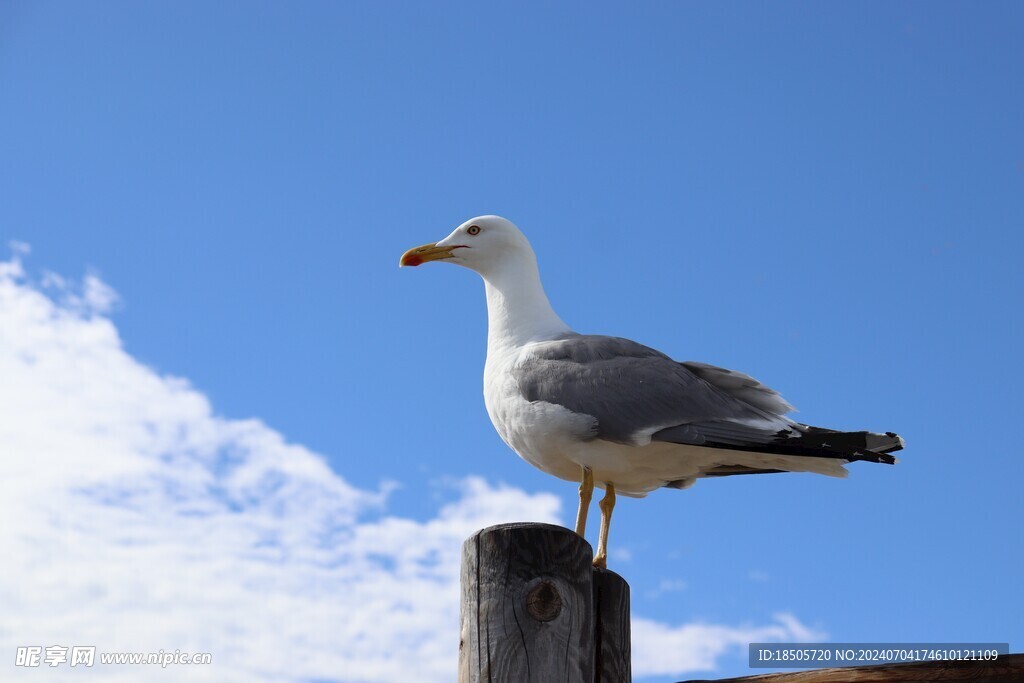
[(872, 456)]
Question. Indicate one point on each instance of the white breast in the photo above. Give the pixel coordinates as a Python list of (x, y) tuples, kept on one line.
[(545, 435)]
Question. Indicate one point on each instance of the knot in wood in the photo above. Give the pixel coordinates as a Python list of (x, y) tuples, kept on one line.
[(543, 602)]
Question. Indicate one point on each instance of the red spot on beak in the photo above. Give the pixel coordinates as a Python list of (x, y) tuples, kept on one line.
[(412, 260)]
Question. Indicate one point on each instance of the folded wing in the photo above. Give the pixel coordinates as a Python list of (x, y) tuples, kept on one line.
[(636, 395)]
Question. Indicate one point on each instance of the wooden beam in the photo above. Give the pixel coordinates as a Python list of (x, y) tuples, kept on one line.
[(1006, 669)]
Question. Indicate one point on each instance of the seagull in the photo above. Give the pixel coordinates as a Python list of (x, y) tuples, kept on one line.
[(612, 413)]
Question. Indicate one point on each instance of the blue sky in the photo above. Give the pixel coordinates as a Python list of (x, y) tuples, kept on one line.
[(829, 197)]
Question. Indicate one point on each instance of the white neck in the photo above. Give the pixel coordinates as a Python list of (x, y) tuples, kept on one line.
[(518, 311)]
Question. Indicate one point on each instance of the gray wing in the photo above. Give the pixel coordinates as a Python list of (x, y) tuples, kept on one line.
[(636, 394), (741, 386)]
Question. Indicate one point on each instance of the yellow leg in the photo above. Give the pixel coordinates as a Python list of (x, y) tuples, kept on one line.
[(586, 493), (607, 504)]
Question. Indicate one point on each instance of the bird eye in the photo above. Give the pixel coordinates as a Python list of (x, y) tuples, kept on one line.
[(473, 230)]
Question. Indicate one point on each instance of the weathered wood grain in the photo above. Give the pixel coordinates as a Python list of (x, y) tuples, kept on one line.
[(527, 606), (611, 628), (1008, 669)]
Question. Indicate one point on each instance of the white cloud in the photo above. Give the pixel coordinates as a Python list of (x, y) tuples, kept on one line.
[(19, 247), (758, 576), (661, 649), (136, 519), (667, 586)]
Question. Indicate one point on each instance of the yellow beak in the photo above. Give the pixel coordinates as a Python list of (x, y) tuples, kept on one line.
[(428, 252)]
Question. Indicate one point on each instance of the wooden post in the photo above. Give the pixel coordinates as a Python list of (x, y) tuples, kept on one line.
[(534, 609), (611, 633)]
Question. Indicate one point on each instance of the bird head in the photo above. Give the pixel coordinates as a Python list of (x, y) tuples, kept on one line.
[(482, 244)]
